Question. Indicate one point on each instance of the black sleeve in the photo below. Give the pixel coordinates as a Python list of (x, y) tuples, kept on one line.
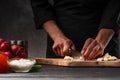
[(110, 15), (42, 12)]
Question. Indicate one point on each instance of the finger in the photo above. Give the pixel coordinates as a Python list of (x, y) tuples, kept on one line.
[(72, 46), (94, 52), (99, 53), (89, 49), (61, 50), (66, 49), (58, 51), (54, 49), (87, 42)]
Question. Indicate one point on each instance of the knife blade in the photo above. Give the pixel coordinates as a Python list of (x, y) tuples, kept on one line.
[(75, 54)]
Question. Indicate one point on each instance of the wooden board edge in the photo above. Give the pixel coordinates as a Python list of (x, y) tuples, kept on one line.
[(62, 62)]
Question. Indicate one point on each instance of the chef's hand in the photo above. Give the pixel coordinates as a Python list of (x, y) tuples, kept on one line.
[(92, 49), (61, 42), (61, 46)]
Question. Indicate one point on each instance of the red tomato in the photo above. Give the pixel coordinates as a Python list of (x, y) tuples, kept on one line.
[(5, 46), (4, 67), (16, 49), (9, 54), (1, 41), (23, 55)]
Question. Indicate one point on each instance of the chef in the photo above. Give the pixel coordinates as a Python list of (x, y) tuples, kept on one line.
[(88, 26)]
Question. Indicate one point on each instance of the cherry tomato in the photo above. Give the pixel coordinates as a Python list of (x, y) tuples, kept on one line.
[(16, 49), (5, 46), (23, 55), (1, 41), (9, 54)]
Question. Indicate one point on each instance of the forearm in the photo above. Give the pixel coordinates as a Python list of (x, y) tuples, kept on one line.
[(52, 29), (104, 36), (61, 42)]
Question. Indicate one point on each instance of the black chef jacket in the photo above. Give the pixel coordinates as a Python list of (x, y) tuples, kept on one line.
[(79, 20)]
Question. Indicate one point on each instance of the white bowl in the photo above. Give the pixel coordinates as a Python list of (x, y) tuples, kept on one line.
[(21, 65)]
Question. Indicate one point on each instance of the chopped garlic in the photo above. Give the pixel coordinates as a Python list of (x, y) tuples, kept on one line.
[(112, 58), (99, 59), (107, 57), (68, 58), (82, 58), (72, 59)]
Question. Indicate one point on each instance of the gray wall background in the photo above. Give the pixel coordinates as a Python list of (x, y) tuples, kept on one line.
[(16, 23)]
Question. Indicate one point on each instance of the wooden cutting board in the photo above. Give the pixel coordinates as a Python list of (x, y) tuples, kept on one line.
[(62, 62)]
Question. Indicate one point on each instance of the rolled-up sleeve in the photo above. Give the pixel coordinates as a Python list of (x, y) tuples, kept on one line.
[(42, 12), (110, 15)]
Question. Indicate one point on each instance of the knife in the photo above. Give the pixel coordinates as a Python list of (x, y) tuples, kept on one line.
[(75, 54)]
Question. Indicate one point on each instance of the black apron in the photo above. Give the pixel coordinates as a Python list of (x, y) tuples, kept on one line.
[(79, 20)]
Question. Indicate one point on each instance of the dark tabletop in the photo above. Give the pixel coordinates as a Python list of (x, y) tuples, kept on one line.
[(48, 72)]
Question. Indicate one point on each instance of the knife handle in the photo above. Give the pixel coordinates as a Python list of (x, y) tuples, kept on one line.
[(70, 51)]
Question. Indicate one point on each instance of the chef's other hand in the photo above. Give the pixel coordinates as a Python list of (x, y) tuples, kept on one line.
[(92, 49), (61, 46)]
